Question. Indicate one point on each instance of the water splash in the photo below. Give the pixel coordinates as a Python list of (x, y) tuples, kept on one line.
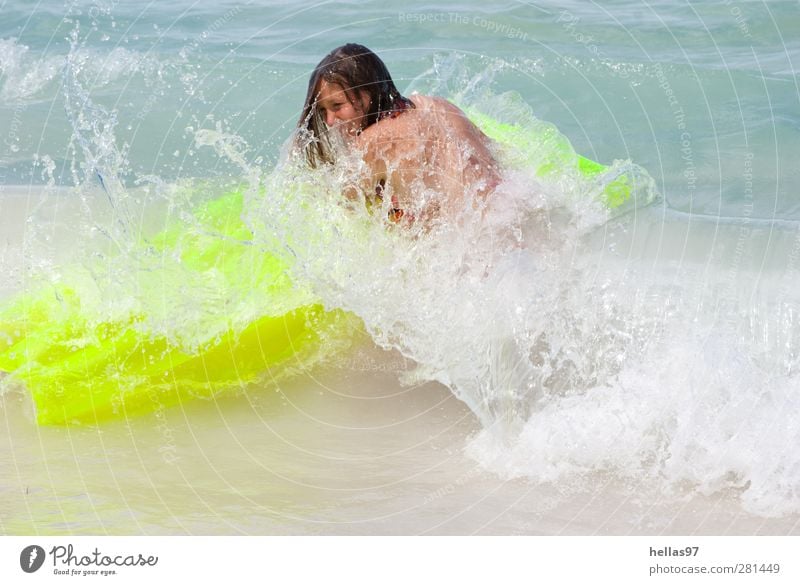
[(570, 369), (93, 131), (576, 361)]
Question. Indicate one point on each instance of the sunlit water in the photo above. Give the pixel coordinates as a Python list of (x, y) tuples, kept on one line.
[(538, 366)]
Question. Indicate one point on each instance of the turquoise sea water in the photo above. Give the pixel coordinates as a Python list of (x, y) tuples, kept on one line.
[(620, 79), (661, 348)]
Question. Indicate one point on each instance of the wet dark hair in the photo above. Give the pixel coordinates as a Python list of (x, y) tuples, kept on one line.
[(355, 68)]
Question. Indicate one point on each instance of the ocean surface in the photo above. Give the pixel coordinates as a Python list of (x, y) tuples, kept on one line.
[(549, 367)]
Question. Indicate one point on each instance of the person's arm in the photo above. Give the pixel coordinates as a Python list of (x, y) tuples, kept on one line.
[(382, 178), (479, 168)]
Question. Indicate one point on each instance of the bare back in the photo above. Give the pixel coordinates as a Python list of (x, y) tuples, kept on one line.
[(429, 158)]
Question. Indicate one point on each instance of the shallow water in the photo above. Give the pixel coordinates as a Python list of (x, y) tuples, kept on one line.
[(649, 360), (353, 455)]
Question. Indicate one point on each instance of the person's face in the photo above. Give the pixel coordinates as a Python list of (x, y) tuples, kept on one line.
[(338, 111)]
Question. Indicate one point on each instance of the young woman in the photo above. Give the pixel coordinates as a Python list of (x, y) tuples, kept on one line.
[(421, 153)]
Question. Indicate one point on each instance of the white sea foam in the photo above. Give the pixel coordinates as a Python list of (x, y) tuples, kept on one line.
[(574, 363), (570, 369), (692, 413)]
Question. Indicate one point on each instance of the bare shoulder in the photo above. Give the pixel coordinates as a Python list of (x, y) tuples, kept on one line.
[(428, 114), (440, 113), (389, 130), (436, 105)]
